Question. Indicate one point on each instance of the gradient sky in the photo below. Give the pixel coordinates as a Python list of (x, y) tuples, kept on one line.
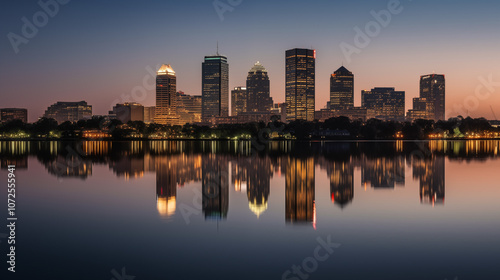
[(99, 51)]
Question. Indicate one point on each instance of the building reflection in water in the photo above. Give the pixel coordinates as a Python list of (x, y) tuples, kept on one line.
[(166, 185), (383, 172), (177, 163), (430, 173), (341, 176), (215, 186), (173, 171), (253, 175), (299, 190)]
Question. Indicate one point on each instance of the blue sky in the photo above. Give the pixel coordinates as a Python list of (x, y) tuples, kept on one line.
[(99, 51)]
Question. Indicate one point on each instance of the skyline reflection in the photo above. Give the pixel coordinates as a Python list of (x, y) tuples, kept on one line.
[(217, 166)]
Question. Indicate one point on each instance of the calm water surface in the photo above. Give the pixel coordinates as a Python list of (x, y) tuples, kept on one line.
[(230, 210)]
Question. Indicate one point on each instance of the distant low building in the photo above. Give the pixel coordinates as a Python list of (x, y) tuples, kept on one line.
[(495, 124), (8, 114), (128, 112), (69, 111), (279, 109), (353, 113), (238, 100)]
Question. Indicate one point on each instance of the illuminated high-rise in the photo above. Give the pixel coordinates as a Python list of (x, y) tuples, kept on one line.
[(166, 96), (341, 89), (432, 88), (215, 88), (258, 95), (431, 103), (300, 84)]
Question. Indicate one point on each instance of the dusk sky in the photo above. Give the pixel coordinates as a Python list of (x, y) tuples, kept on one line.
[(99, 51)]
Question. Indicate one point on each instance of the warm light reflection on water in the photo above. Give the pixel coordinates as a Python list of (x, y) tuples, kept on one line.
[(381, 200)]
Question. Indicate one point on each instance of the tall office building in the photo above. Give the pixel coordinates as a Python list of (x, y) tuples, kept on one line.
[(69, 111), (258, 92), (215, 87), (341, 89), (432, 88), (166, 98), (431, 103), (300, 84), (238, 100), (384, 104), (8, 114)]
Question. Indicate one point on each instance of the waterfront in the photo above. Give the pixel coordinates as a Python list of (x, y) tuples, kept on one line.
[(233, 210)]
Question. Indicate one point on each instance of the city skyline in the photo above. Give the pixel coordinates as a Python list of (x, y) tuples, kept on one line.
[(409, 44)]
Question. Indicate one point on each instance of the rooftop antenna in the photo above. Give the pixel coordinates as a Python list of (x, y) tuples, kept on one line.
[(217, 47)]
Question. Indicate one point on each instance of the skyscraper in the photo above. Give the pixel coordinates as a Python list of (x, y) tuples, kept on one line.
[(384, 104), (341, 89), (258, 96), (166, 99), (300, 84), (432, 88), (238, 100), (431, 103), (215, 87)]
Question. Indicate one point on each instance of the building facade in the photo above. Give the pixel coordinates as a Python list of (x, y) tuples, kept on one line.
[(166, 96), (9, 114), (149, 114), (432, 88), (258, 90), (300, 84), (384, 104), (128, 112), (238, 100), (188, 108), (215, 87), (69, 111), (341, 89)]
